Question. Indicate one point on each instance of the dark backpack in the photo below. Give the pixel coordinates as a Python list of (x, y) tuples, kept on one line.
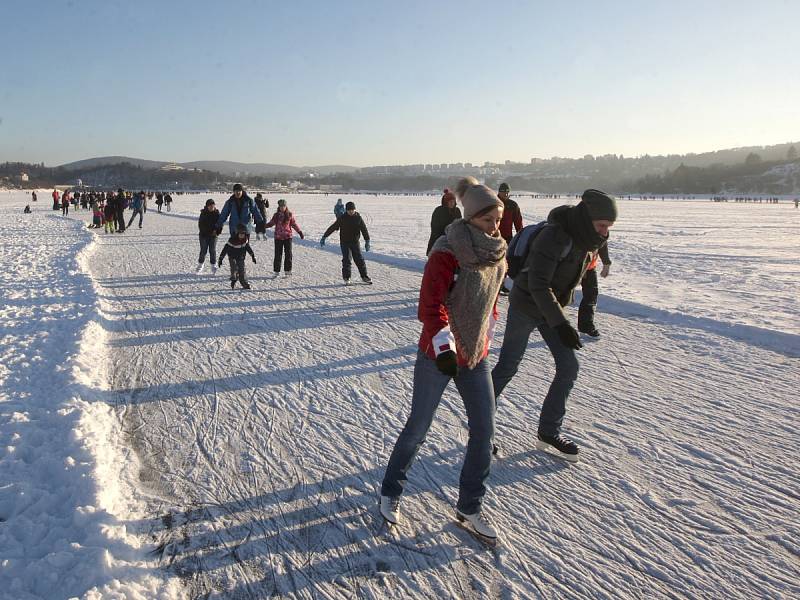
[(520, 246)]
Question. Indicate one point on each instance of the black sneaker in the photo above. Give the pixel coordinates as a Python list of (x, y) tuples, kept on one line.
[(233, 283), (590, 330), (565, 447), (246, 285), (366, 280)]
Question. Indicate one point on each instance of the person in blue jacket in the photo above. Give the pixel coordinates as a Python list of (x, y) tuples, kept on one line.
[(239, 209), (338, 208), (136, 205)]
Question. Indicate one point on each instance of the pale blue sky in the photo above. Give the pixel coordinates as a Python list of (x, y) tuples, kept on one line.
[(367, 83)]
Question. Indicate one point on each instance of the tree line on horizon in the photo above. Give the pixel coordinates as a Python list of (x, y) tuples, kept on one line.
[(615, 174)]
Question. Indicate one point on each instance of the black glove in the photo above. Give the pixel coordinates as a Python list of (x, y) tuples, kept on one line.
[(219, 263), (302, 237), (254, 260), (447, 363), (569, 337)]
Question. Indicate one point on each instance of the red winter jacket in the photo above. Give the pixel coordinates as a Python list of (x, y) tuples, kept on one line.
[(283, 225), (440, 274), (512, 220)]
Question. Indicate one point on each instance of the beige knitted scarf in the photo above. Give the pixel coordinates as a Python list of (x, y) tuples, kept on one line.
[(482, 267)]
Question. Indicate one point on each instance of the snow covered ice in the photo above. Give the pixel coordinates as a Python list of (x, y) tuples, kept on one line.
[(162, 436)]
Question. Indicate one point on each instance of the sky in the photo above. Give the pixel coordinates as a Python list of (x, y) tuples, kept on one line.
[(309, 83)]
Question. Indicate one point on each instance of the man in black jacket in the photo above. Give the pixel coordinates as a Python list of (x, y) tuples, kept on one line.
[(350, 226), (557, 261)]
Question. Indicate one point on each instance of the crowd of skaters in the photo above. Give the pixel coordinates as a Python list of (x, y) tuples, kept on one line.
[(463, 279)]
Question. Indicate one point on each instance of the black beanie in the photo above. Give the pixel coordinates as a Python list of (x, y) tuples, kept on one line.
[(237, 187), (601, 206), (350, 205)]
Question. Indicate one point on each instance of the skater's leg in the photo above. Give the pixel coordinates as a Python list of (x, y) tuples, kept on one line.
[(515, 342), (475, 387), (240, 266), (359, 259), (429, 384), (276, 263), (204, 245), (555, 402), (287, 260), (589, 292), (212, 249), (345, 246), (234, 269)]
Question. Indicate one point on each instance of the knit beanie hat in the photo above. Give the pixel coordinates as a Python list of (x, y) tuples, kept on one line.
[(350, 206), (504, 188), (237, 187), (281, 202), (601, 206), (448, 195), (476, 198)]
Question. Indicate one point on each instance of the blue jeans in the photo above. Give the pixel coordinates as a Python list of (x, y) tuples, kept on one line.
[(353, 248), (208, 243), (518, 329), (475, 387)]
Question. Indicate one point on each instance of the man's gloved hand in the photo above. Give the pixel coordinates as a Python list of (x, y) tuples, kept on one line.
[(447, 363), (219, 263), (366, 246), (569, 337), (604, 272), (322, 241), (254, 260)]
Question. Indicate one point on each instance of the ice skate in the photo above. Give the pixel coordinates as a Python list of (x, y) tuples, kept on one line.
[(563, 447), (479, 526), (390, 509)]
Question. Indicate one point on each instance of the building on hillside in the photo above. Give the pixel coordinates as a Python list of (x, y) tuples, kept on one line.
[(23, 177), (171, 167)]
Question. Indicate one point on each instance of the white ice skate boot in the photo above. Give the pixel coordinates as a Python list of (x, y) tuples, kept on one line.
[(200, 267), (477, 524), (213, 269), (390, 509)]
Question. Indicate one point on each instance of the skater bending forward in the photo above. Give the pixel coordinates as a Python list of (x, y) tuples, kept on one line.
[(557, 261), (235, 250), (458, 310)]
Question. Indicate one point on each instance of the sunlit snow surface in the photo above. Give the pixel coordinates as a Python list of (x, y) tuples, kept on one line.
[(164, 436)]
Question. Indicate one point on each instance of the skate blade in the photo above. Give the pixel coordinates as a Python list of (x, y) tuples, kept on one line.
[(548, 449), (489, 541)]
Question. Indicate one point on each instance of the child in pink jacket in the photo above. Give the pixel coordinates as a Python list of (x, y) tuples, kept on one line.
[(283, 221)]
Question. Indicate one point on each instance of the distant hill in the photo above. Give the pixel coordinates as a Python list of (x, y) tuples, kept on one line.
[(225, 167)]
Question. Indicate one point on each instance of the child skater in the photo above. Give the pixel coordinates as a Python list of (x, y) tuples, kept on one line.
[(235, 250), (283, 221), (458, 310)]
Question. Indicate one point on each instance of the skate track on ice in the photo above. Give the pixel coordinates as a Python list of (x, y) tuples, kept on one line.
[(262, 422)]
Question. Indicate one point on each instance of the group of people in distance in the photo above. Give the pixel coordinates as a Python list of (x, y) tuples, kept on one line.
[(239, 210), (463, 278)]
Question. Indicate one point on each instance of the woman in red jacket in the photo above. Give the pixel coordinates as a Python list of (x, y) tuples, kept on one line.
[(458, 310)]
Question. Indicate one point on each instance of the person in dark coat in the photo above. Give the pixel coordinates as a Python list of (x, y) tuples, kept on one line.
[(235, 249), (557, 261), (119, 207), (207, 224), (262, 204), (442, 216), (351, 226)]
